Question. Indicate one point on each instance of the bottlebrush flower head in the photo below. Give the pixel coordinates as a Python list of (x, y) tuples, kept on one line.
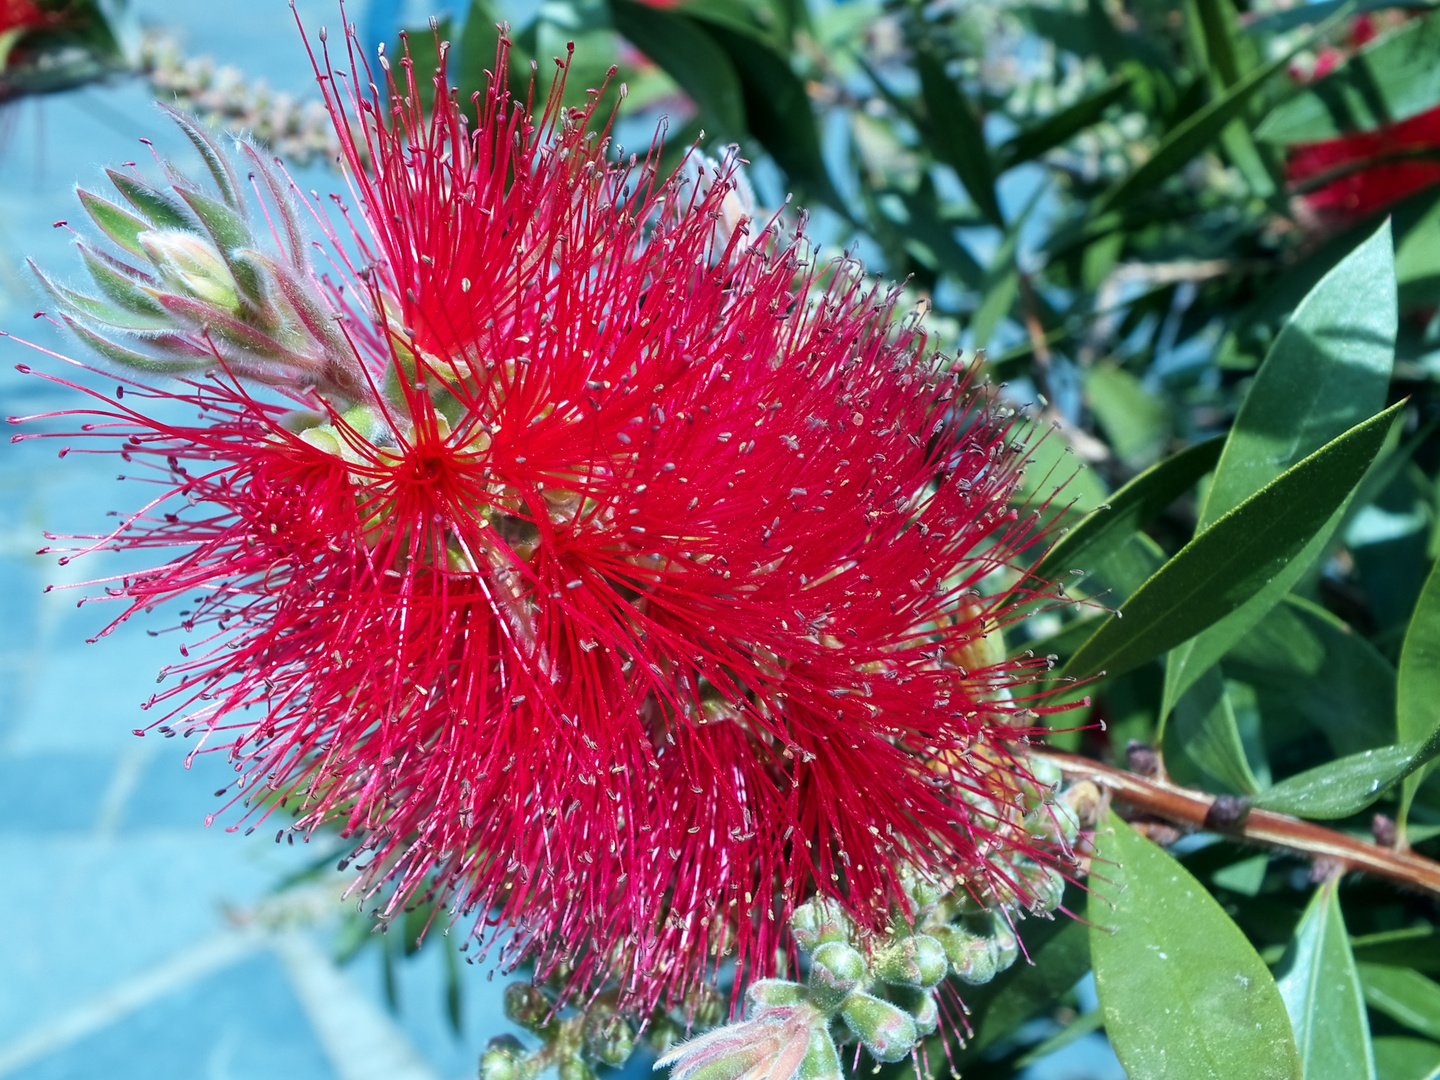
[(1353, 176), (596, 560)]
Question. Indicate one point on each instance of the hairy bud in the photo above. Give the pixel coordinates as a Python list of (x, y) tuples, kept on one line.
[(836, 970), (887, 1030)]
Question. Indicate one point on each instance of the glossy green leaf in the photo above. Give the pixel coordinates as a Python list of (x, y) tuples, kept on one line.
[(1309, 668), (691, 57), (1399, 1057), (1184, 993), (1191, 136), (956, 134), (777, 108), (1405, 996), (1321, 990), (1415, 947), (1417, 688), (1328, 370), (1392, 78), (1226, 564), (1130, 508), (1060, 127), (1344, 787), (1203, 737)]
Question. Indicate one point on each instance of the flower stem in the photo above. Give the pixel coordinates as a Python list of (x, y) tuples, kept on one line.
[(1185, 806)]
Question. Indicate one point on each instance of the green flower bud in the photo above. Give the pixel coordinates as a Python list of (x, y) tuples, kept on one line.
[(887, 1030), (918, 961), (575, 1069), (1007, 945), (528, 1006), (922, 893), (1055, 822), (974, 959), (818, 921), (921, 1005), (822, 1060), (767, 993), (503, 1059), (609, 1039), (1047, 888), (191, 264), (836, 970)]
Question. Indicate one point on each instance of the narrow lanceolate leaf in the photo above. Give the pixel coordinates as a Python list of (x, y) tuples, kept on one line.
[(1060, 127), (161, 210), (1328, 370), (1205, 732), (1405, 996), (96, 310), (1322, 994), (1131, 508), (1194, 134), (690, 57), (1417, 692), (119, 225), (1343, 787), (1185, 995), (216, 160), (957, 135), (119, 354), (1226, 564), (1394, 78)]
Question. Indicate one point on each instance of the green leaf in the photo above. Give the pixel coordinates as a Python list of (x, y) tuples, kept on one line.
[(1391, 79), (1193, 134), (1328, 370), (777, 107), (956, 134), (160, 209), (216, 160), (1131, 508), (1060, 127), (1284, 19), (1321, 990), (97, 310), (119, 225), (1415, 947), (691, 57), (1399, 1057), (1340, 788), (1405, 996), (1417, 688), (1203, 734), (1135, 422), (1309, 668), (1226, 564), (1184, 993)]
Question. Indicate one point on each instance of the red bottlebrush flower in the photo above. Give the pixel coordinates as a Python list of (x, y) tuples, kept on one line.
[(21, 15), (1353, 176), (615, 578)]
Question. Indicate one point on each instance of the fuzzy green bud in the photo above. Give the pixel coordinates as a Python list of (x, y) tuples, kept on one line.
[(768, 993), (1007, 945), (503, 1059), (923, 1007), (822, 1060), (528, 1006), (1055, 822), (191, 264), (818, 921), (918, 961), (609, 1039), (836, 970), (1047, 889), (887, 1030), (974, 959), (575, 1069)]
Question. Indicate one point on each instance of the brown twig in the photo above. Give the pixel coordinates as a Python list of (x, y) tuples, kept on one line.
[(1195, 809)]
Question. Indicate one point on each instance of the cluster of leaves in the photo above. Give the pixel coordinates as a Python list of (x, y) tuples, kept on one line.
[(1097, 194)]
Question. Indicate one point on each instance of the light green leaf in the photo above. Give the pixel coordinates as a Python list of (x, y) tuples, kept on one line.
[(956, 134), (689, 56), (1203, 735), (1193, 134), (1184, 993), (1405, 996), (1130, 508), (1393, 78), (1226, 564), (1339, 788), (1309, 668), (1399, 1057), (1321, 990), (1135, 421), (1417, 689), (1328, 370)]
